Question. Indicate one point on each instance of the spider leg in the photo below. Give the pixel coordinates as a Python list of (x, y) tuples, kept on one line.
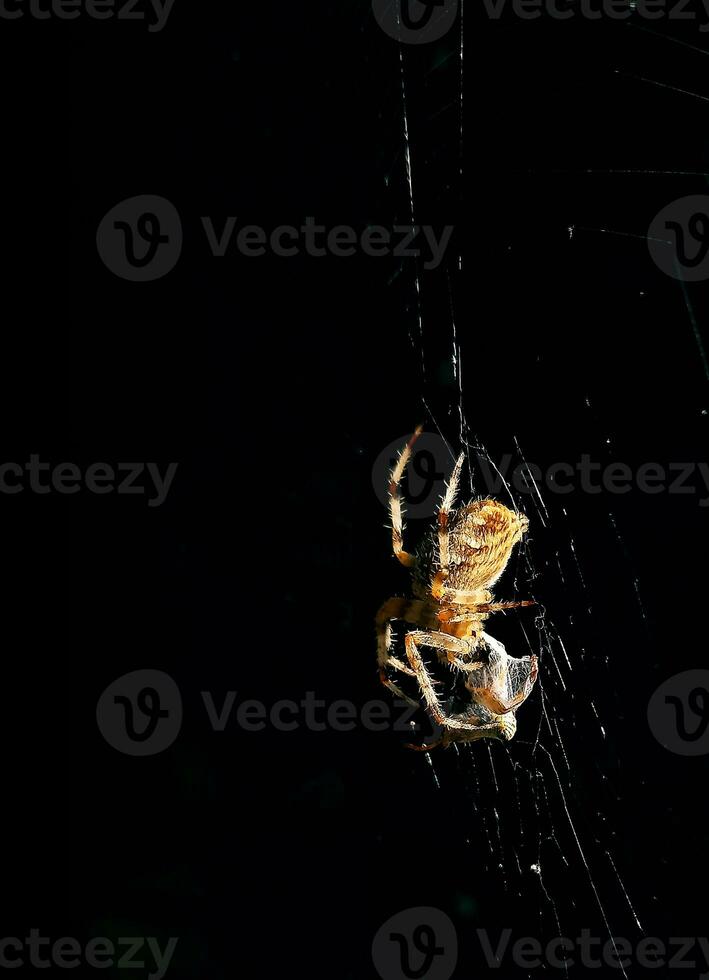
[(455, 727), (444, 513), (465, 665), (393, 609), (460, 597), (489, 607), (451, 649), (395, 508), (396, 691)]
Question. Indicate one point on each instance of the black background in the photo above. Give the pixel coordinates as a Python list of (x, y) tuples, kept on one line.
[(275, 383)]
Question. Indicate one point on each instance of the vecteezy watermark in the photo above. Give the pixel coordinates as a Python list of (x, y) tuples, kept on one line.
[(415, 21), (141, 239), (432, 463), (422, 943), (678, 238), (141, 714), (594, 10), (342, 241), (678, 713), (422, 21), (99, 953), (592, 952), (154, 12), (416, 944), (42, 478)]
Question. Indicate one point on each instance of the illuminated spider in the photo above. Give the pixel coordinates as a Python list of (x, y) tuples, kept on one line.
[(452, 571)]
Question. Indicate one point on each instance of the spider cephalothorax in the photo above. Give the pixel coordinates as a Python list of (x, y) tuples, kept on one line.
[(453, 571)]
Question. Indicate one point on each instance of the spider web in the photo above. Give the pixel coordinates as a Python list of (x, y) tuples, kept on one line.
[(546, 810), (570, 790), (556, 800)]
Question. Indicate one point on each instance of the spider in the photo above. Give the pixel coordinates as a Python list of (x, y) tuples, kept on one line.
[(453, 570)]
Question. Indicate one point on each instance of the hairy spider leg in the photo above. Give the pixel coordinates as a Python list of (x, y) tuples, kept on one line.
[(416, 612), (444, 513), (449, 723), (482, 607), (393, 609), (478, 608), (395, 508)]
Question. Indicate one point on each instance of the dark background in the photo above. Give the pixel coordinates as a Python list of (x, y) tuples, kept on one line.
[(275, 383)]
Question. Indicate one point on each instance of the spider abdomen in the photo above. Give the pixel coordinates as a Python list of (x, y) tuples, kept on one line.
[(480, 540), (482, 536)]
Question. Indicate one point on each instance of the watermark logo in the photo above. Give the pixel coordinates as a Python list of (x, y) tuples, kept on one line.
[(416, 944), (140, 714), (678, 713), (678, 238), (423, 21), (140, 239), (430, 467), (415, 21)]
